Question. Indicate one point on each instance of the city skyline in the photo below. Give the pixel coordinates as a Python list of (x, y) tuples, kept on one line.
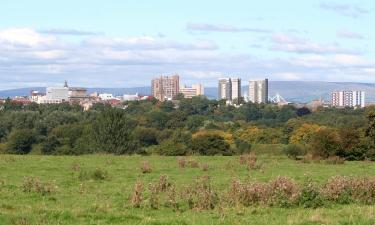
[(116, 45)]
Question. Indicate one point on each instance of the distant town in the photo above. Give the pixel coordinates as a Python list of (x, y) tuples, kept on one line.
[(168, 88)]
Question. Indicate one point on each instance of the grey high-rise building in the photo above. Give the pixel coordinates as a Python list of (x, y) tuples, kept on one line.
[(225, 89), (236, 88), (258, 91)]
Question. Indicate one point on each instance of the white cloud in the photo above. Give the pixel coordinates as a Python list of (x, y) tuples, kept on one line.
[(31, 57), (349, 34), (347, 10), (223, 28), (295, 44)]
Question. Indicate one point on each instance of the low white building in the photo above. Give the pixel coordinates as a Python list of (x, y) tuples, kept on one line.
[(128, 97), (106, 96), (194, 90)]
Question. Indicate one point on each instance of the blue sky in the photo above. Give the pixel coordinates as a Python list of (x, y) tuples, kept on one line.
[(125, 43)]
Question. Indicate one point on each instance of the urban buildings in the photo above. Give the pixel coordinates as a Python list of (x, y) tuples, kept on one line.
[(106, 96), (229, 89), (236, 89), (258, 91), (225, 89), (348, 99), (129, 97), (165, 88), (56, 95), (194, 90), (77, 94)]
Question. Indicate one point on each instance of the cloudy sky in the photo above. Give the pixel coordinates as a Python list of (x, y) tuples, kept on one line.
[(125, 43)]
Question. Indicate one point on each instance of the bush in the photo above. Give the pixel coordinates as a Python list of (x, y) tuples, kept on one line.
[(49, 145), (97, 174), (171, 148), (210, 144), (310, 196), (33, 184), (21, 141), (294, 151)]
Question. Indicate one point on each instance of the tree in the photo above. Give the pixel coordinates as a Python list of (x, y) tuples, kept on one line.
[(303, 111), (303, 134), (210, 144), (325, 142), (50, 144), (112, 132), (146, 136), (21, 141)]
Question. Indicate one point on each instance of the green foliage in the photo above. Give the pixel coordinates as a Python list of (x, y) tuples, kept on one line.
[(112, 132), (50, 144), (170, 148), (21, 141), (67, 129), (210, 144), (294, 151)]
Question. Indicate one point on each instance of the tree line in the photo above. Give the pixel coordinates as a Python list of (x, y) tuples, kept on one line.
[(188, 126)]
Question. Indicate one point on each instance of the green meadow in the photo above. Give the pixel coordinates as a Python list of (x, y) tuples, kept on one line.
[(97, 189)]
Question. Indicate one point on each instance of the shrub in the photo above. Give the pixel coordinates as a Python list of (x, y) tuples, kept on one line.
[(163, 184), (193, 163), (200, 195), (284, 192), (210, 144), (181, 162), (250, 160), (171, 148), (137, 196), (96, 174), (310, 196), (100, 174), (33, 184), (338, 189), (205, 167), (154, 197), (146, 167), (294, 151), (21, 141)]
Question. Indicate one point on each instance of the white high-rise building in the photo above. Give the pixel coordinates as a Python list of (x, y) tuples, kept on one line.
[(258, 91), (348, 99)]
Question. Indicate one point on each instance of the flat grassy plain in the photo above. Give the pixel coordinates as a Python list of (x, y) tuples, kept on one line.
[(91, 201)]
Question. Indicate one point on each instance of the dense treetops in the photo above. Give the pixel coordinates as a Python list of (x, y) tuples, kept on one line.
[(188, 126)]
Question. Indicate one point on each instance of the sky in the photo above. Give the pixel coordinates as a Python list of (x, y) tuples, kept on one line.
[(123, 43)]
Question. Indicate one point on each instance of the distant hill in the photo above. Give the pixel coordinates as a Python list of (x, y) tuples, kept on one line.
[(293, 91)]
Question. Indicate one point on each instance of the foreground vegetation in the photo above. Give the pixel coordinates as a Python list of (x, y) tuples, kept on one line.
[(195, 126), (105, 189)]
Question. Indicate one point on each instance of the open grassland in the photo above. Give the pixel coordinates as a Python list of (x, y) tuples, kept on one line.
[(98, 189)]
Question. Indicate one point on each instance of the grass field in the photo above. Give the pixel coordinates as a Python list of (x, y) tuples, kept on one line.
[(82, 200)]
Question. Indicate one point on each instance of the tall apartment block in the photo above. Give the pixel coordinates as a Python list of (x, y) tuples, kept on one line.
[(258, 91), (348, 99), (165, 88), (225, 89), (236, 88), (229, 88)]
